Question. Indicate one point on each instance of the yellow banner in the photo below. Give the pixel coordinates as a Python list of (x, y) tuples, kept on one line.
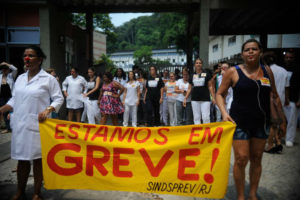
[(183, 160)]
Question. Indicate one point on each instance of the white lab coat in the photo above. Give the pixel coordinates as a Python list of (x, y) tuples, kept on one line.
[(28, 100), (74, 87)]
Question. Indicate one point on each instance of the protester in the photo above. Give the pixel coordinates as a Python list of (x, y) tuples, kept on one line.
[(93, 92), (183, 101), (253, 90), (292, 105), (171, 98), (31, 104), (142, 109), (73, 87), (163, 109), (131, 99), (7, 84), (109, 99), (153, 97), (282, 84), (200, 93), (215, 83), (120, 77)]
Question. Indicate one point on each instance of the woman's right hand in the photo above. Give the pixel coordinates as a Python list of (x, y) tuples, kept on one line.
[(226, 117)]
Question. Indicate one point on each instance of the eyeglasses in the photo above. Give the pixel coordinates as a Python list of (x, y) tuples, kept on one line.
[(30, 56)]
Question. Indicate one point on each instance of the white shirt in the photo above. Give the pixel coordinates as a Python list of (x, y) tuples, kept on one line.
[(28, 100), (131, 94), (171, 95), (281, 79), (182, 86), (74, 87)]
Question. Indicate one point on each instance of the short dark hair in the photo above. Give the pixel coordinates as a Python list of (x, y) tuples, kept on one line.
[(108, 75), (252, 40), (269, 58), (39, 52)]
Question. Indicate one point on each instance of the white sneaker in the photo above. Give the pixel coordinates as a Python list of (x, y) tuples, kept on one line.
[(289, 144)]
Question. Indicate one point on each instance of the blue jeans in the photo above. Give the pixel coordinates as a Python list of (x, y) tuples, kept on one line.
[(184, 111), (243, 134)]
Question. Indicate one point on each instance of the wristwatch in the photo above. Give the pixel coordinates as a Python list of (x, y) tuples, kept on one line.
[(49, 108)]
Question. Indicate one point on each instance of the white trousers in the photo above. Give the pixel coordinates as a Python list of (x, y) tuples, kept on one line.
[(172, 113), (130, 110), (201, 109), (163, 111), (93, 112), (291, 113)]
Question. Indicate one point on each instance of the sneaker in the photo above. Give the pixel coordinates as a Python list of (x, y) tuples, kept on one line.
[(289, 144)]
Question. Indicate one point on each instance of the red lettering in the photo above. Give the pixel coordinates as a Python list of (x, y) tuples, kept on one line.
[(159, 131), (97, 134), (76, 160), (155, 171), (146, 138), (194, 134), (210, 139), (183, 163), (120, 136), (88, 129), (220, 131), (117, 162), (73, 132), (97, 162), (57, 131)]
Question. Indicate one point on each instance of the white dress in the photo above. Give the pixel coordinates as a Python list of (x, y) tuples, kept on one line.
[(28, 100), (74, 87)]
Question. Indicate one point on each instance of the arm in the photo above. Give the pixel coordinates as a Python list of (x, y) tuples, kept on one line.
[(65, 86), (57, 100), (277, 113), (188, 93), (146, 90), (124, 96), (161, 95), (120, 87), (100, 96), (212, 88), (227, 82), (138, 95)]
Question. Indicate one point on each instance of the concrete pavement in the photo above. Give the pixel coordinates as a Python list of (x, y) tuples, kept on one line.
[(280, 180)]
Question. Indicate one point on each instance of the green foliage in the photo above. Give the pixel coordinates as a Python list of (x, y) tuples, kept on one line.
[(106, 62), (160, 30), (143, 56)]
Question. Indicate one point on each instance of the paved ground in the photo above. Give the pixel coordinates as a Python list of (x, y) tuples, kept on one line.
[(280, 180)]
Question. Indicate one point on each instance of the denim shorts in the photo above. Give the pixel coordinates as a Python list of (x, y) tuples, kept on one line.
[(244, 134)]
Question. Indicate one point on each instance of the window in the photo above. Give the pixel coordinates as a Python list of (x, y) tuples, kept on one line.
[(231, 41), (173, 60), (2, 35), (215, 48), (23, 35)]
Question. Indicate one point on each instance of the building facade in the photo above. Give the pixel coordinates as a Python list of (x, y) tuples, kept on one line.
[(125, 59)]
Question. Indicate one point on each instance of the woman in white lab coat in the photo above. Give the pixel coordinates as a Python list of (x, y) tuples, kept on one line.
[(74, 86), (31, 104)]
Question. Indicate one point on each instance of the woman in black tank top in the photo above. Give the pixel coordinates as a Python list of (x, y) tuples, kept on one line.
[(253, 89)]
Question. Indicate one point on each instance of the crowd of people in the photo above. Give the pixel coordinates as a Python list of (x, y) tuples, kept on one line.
[(259, 96)]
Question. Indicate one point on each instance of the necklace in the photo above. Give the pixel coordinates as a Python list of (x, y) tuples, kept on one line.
[(256, 73)]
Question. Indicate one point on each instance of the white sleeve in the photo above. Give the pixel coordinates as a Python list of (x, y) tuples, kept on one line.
[(55, 94), (65, 84), (14, 71), (84, 84)]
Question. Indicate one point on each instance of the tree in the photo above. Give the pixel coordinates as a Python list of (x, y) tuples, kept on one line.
[(101, 22), (143, 56), (106, 62)]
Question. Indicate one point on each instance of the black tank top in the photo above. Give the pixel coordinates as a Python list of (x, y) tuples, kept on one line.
[(94, 95), (250, 108), (5, 91)]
